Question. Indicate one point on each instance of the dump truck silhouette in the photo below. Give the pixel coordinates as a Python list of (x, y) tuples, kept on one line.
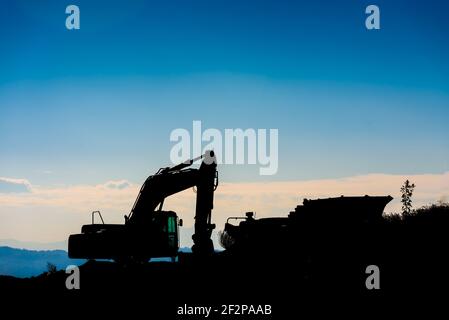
[(339, 216)]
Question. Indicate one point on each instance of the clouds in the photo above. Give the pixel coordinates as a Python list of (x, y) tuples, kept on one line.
[(76, 198), (57, 211), (120, 184), (10, 185)]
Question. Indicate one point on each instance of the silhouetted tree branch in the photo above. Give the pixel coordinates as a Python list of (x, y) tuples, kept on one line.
[(406, 197)]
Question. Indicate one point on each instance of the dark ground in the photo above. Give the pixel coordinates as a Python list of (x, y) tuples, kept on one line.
[(325, 274)]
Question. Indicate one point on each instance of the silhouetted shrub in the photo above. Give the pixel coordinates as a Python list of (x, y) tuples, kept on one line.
[(433, 214), (51, 268)]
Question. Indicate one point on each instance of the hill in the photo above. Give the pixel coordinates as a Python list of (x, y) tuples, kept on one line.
[(24, 263)]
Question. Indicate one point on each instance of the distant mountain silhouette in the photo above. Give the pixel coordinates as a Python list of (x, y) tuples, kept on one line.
[(24, 263), (33, 245)]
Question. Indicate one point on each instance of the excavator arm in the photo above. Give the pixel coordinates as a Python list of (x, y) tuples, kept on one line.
[(169, 181)]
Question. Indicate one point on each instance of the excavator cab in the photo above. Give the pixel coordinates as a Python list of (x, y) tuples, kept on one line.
[(158, 236)]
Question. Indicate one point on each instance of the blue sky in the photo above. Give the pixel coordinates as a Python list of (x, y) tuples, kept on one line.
[(99, 103)]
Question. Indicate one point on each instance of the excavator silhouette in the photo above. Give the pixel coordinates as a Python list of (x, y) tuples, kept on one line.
[(149, 231)]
